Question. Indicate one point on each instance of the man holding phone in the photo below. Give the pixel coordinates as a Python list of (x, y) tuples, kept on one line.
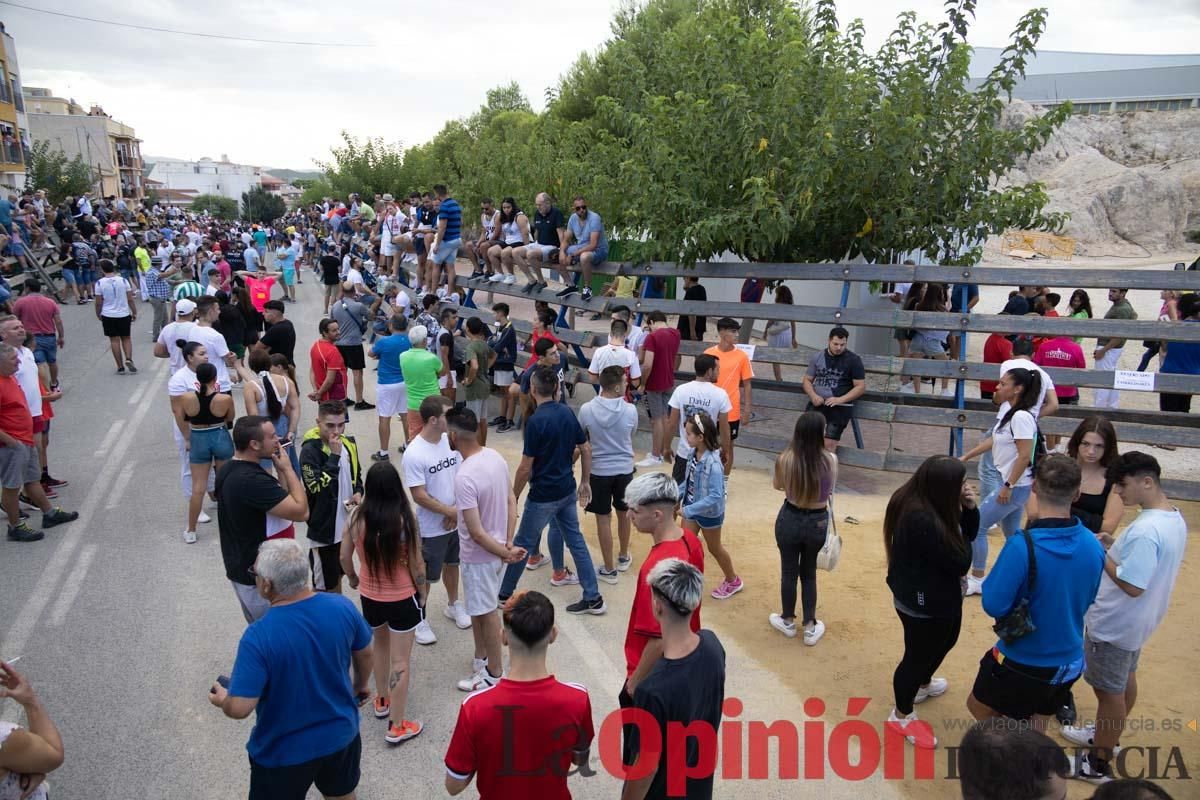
[(333, 484)]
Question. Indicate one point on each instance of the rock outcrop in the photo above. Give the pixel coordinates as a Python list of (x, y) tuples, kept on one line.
[(1131, 181)]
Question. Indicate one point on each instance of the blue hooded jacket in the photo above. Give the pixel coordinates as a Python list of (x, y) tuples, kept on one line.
[(1070, 562)]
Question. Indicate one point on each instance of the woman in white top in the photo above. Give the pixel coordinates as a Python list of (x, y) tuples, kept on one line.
[(269, 391), (26, 754), (514, 233), (116, 311), (1011, 443), (184, 382)]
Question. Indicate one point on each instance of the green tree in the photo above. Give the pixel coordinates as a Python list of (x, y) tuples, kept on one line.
[(365, 166), (60, 176), (259, 205), (217, 205)]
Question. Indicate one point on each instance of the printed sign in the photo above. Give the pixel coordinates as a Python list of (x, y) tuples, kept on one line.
[(748, 349), (1131, 379)]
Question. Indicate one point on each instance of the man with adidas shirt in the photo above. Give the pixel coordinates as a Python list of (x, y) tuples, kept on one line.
[(429, 465), (702, 394)]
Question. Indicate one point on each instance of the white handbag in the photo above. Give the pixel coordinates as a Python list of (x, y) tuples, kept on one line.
[(830, 552)]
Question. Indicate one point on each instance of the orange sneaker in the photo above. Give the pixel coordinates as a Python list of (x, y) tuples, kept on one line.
[(407, 729), (382, 707)]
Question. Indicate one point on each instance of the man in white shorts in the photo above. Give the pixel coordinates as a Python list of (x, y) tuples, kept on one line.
[(429, 466), (391, 399), (487, 523)]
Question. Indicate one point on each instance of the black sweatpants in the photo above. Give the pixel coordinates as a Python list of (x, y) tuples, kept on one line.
[(926, 643)]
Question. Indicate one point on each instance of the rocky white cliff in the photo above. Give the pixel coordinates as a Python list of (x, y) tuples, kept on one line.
[(1131, 181)]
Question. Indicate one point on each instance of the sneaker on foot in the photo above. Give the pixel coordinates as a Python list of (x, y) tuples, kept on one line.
[(363, 405), (496, 421), (1089, 769), (907, 388), (587, 293), (974, 585), (407, 729), (566, 292), (650, 461), (607, 575), (594, 606), (509, 280), (920, 736), (132, 369), (1083, 735), (480, 680), (49, 491), (189, 537), (728, 589), (24, 533), (204, 517), (935, 688), (383, 707), (495, 277), (425, 634), (624, 563), (564, 577), (55, 482), (381, 455), (535, 561), (814, 634), (505, 427), (458, 613), (782, 625), (57, 516)]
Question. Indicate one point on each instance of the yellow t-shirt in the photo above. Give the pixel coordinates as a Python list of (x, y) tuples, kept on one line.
[(626, 286)]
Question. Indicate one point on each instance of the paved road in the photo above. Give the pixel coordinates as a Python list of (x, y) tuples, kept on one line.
[(122, 627)]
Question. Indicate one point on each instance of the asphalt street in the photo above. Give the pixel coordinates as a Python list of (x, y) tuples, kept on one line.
[(122, 627)]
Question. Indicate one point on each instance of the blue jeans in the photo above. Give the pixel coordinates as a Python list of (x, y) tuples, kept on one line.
[(563, 515), (991, 511)]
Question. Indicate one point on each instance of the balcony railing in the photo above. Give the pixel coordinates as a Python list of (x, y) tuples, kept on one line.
[(5, 93), (11, 153), (128, 162)]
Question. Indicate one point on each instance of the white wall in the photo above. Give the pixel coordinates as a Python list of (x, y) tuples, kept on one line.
[(207, 177)]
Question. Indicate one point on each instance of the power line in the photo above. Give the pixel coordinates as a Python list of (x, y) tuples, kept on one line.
[(171, 30)]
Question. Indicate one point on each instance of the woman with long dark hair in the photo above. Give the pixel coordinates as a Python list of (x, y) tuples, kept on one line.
[(1079, 307), (513, 233), (931, 343), (383, 533), (928, 529), (1093, 445), (269, 391), (1011, 442), (806, 473), (207, 413)]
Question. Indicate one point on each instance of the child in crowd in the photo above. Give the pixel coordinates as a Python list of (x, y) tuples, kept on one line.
[(781, 333), (702, 497)]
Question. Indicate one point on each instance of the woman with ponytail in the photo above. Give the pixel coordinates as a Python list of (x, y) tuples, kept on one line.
[(1011, 443), (269, 392)]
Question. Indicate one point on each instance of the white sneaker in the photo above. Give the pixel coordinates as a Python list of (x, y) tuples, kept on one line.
[(947, 392), (1082, 768), (456, 612), (974, 585), (495, 277), (921, 736), (936, 688), (189, 537), (480, 680), (650, 461), (509, 279), (814, 636), (907, 388), (425, 634), (1083, 735), (788, 629), (204, 517)]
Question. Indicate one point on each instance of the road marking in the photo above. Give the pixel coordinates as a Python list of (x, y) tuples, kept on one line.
[(114, 431), (604, 671), (118, 488), (24, 621), (72, 586)]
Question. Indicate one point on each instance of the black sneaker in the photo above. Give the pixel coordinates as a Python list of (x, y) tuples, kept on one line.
[(496, 421), (595, 606), (57, 516), (55, 482), (24, 533), (587, 293), (25, 501), (378, 456), (363, 405), (132, 369), (1066, 714), (530, 288), (567, 292), (505, 427)]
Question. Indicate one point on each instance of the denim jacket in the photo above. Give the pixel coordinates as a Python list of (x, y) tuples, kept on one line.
[(707, 476)]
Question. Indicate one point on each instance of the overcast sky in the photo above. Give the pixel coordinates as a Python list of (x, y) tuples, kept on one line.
[(422, 63)]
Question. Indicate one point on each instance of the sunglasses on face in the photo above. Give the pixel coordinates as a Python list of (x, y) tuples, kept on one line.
[(581, 208)]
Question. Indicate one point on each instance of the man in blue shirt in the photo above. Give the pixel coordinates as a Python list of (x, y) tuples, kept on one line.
[(552, 435), (293, 671), (446, 240), (391, 399), (590, 247)]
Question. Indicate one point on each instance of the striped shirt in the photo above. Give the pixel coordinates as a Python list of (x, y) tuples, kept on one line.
[(452, 213), (189, 289)]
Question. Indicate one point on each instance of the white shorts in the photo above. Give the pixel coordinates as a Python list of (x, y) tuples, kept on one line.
[(447, 381), (386, 248), (481, 587), (391, 399), (502, 378)]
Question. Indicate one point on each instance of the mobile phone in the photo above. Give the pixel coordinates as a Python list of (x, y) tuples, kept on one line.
[(223, 682)]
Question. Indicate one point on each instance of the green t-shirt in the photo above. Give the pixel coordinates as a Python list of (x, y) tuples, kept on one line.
[(1120, 310), (481, 387), (420, 368)]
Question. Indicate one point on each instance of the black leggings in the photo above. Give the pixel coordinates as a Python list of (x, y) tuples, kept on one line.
[(926, 643), (800, 535)]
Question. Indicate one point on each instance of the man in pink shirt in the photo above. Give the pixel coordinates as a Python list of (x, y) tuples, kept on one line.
[(225, 271), (39, 314), (1061, 351)]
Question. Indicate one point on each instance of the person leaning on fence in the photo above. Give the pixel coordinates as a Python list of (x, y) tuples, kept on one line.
[(1038, 591)]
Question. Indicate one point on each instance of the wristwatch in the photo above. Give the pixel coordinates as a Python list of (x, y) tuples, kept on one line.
[(1007, 485)]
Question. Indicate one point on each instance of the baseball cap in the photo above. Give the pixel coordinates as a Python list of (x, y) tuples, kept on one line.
[(184, 307)]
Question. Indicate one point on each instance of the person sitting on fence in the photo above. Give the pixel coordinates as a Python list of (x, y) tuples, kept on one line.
[(590, 248), (835, 379), (549, 235)]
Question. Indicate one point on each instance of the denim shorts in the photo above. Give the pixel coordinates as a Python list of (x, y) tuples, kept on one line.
[(209, 445), (709, 523), (70, 276), (45, 348), (447, 252), (925, 345)]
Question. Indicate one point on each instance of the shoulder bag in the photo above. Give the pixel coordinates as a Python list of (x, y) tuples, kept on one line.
[(830, 552), (1019, 622)]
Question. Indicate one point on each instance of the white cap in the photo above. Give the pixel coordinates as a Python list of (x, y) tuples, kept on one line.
[(184, 307)]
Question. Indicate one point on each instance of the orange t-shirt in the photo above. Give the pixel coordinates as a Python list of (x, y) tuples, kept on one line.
[(734, 368)]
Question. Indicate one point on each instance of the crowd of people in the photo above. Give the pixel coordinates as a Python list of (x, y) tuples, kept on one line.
[(451, 511)]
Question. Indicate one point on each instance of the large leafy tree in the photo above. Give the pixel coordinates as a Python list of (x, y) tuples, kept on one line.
[(259, 205), (365, 166), (60, 176), (217, 205)]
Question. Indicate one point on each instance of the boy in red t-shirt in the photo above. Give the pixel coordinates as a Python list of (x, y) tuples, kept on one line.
[(660, 358), (520, 738), (328, 368)]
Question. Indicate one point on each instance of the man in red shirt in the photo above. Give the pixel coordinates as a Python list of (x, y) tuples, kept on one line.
[(327, 371), (996, 350), (20, 467), (39, 314), (660, 358), (520, 737), (652, 499)]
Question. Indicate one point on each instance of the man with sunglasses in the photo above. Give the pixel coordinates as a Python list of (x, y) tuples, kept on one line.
[(549, 232), (590, 247)]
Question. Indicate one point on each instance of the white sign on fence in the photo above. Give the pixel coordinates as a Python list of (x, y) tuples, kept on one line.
[(748, 349), (1134, 380)]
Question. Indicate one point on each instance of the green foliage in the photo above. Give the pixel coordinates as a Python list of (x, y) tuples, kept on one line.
[(152, 198), (60, 176), (216, 205), (259, 205), (365, 166)]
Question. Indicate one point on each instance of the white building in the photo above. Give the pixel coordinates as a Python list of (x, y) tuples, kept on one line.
[(205, 176)]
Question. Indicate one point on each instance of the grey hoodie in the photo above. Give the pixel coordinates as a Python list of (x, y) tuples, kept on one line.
[(610, 423)]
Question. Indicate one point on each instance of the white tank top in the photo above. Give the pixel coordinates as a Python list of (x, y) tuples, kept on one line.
[(489, 223), (262, 393), (512, 231)]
